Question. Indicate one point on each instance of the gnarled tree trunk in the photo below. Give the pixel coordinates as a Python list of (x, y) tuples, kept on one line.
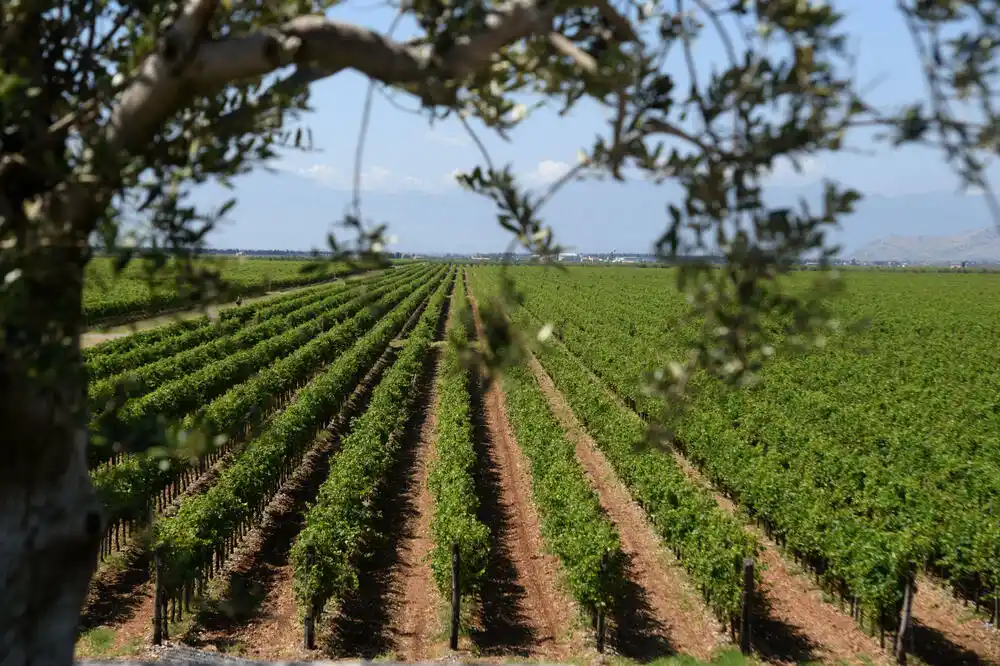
[(50, 521)]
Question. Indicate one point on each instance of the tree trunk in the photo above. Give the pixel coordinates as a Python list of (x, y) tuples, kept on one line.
[(50, 519)]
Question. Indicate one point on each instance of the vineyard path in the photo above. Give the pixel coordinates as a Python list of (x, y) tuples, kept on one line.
[(673, 610), (799, 625), (544, 611), (414, 600), (945, 632)]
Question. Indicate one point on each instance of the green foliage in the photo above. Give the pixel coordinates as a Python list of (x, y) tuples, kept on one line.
[(189, 537), (102, 363), (451, 471), (710, 544), (574, 526), (869, 459), (128, 404), (341, 523), (126, 487), (143, 290)]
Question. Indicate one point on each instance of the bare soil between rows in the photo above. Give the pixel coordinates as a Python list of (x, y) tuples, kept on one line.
[(256, 613), (659, 613), (416, 625), (523, 611), (791, 624), (122, 599), (797, 623), (115, 587), (393, 611)]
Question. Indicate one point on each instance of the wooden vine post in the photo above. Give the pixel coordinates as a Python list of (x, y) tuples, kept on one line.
[(456, 597), (309, 628), (746, 605), (904, 622), (158, 619), (600, 608)]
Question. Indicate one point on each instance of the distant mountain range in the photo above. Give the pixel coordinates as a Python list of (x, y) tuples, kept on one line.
[(981, 246)]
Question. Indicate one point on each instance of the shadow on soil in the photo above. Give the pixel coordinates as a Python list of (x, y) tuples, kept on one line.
[(362, 627), (249, 585), (775, 640), (503, 630), (637, 633), (115, 597), (932, 647)]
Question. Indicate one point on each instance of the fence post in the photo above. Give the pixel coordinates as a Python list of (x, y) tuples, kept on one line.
[(163, 614), (309, 628), (456, 597), (746, 605), (904, 622), (600, 607), (157, 596)]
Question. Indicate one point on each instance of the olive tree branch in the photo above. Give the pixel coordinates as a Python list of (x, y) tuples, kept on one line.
[(188, 64)]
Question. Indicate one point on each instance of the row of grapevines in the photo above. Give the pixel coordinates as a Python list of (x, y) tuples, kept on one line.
[(192, 539), (710, 543), (117, 363), (245, 312), (183, 395), (158, 334), (131, 294), (574, 526), (147, 336), (136, 382), (113, 364), (327, 551), (452, 467), (142, 418), (104, 365), (814, 461), (238, 406), (126, 488)]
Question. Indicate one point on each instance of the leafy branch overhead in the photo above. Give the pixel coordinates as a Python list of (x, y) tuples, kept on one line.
[(114, 111)]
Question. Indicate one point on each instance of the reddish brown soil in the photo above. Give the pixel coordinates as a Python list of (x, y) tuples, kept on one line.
[(663, 613), (544, 615), (798, 625), (795, 623), (943, 632), (112, 590), (415, 620), (801, 624), (946, 632), (257, 614)]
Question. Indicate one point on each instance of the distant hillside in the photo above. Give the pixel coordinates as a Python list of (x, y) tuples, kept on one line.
[(981, 246)]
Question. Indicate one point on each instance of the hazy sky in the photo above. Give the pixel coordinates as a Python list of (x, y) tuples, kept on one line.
[(408, 168)]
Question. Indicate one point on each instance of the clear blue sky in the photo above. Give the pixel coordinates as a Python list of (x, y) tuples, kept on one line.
[(408, 168)]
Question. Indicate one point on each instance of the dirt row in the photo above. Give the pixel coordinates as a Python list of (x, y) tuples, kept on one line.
[(523, 611), (536, 616), (398, 611), (659, 613), (253, 609), (121, 596), (801, 624)]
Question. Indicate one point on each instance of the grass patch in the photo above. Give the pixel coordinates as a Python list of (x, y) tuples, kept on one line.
[(729, 657), (99, 643)]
